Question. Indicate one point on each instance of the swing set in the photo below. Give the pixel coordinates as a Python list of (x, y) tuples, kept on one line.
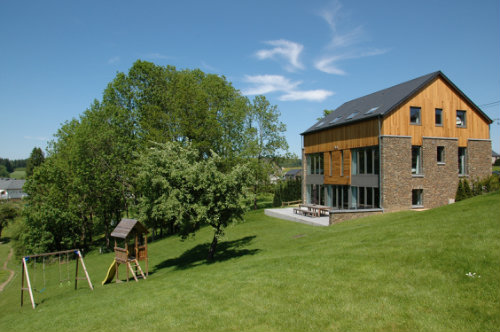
[(47, 259)]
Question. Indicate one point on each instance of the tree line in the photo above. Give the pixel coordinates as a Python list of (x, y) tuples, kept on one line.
[(175, 148)]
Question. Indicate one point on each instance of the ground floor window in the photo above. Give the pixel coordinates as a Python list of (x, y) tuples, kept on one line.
[(351, 197), (462, 158), (416, 198), (315, 194)]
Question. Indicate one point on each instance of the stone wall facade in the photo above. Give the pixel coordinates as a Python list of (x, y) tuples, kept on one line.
[(343, 215), (479, 159), (395, 172)]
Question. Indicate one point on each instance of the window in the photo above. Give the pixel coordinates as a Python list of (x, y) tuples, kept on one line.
[(462, 159), (415, 115), (371, 110), (416, 160), (331, 163), (440, 155), (365, 197), (342, 163), (314, 163), (352, 115), (461, 119), (365, 161), (336, 119), (439, 117), (416, 198)]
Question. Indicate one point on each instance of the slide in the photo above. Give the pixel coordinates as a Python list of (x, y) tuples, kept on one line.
[(111, 273)]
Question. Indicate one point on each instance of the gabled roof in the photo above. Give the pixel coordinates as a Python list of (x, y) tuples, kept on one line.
[(383, 102), (11, 184), (293, 172), (126, 226)]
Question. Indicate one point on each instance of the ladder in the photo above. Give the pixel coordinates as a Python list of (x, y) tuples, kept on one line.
[(134, 263)]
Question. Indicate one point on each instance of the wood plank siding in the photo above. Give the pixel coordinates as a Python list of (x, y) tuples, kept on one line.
[(336, 174), (441, 95), (350, 136)]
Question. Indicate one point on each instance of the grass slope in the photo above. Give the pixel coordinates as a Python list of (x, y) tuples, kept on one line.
[(403, 271)]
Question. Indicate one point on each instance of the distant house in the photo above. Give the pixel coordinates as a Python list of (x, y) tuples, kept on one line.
[(293, 174), (400, 148), (494, 157), (11, 188)]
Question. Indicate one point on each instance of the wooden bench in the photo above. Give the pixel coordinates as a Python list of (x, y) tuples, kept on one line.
[(290, 203), (304, 212)]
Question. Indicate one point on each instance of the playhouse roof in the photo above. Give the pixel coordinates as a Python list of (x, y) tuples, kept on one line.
[(126, 226)]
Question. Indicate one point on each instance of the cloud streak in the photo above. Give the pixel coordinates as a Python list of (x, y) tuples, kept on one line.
[(285, 49), (290, 89)]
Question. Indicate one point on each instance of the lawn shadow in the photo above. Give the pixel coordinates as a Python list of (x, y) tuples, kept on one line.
[(195, 256)]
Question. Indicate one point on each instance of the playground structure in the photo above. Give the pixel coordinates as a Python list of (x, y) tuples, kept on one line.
[(130, 254), (61, 260)]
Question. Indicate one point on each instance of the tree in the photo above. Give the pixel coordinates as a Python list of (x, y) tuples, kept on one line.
[(8, 165), (265, 141), (36, 159), (8, 212), (177, 187), (325, 114), (3, 172)]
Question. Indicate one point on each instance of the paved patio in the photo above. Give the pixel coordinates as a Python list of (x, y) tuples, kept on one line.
[(287, 214)]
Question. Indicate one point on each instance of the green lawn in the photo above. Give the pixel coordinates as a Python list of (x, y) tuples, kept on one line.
[(403, 271), (19, 173)]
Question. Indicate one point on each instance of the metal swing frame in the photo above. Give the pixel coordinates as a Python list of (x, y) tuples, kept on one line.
[(25, 272)]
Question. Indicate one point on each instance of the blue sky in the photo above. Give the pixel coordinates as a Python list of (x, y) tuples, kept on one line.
[(56, 57)]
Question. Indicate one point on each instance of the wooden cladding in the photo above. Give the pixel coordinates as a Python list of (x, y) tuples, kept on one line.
[(343, 137), (438, 95), (338, 167)]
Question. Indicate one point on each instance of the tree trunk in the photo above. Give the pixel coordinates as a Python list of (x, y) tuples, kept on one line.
[(255, 197), (213, 246)]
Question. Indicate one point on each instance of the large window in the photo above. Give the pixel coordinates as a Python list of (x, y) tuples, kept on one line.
[(315, 194), (461, 119), (337, 197), (365, 197), (462, 161), (365, 161), (415, 115), (315, 163), (439, 117), (416, 160)]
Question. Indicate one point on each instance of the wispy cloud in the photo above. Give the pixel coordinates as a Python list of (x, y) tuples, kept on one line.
[(288, 50), (328, 64), (344, 42), (113, 60), (276, 83)]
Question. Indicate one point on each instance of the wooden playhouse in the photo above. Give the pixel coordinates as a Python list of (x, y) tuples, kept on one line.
[(133, 236)]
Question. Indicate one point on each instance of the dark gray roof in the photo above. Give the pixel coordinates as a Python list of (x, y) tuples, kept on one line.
[(293, 172), (494, 154), (125, 226), (12, 184), (381, 103)]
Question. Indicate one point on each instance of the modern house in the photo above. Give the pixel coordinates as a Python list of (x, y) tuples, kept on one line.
[(400, 148), (11, 188)]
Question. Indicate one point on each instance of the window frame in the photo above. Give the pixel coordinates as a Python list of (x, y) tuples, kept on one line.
[(418, 121), (440, 155), (418, 170), (462, 119), (420, 198), (440, 112), (462, 161)]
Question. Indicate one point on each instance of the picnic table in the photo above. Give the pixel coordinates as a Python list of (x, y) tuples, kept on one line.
[(312, 210)]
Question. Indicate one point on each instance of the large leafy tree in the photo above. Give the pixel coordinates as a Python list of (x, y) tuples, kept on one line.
[(179, 188), (8, 212)]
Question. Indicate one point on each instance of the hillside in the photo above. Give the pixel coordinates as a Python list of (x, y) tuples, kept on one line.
[(396, 272)]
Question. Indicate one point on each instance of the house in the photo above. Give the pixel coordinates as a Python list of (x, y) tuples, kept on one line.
[(494, 157), (293, 174), (400, 148), (11, 188)]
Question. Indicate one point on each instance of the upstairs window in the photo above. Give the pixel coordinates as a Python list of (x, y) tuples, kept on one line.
[(440, 154), (415, 115), (314, 163), (439, 117), (416, 160), (461, 119)]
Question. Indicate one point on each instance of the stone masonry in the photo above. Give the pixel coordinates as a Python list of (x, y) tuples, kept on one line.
[(395, 173), (479, 159)]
